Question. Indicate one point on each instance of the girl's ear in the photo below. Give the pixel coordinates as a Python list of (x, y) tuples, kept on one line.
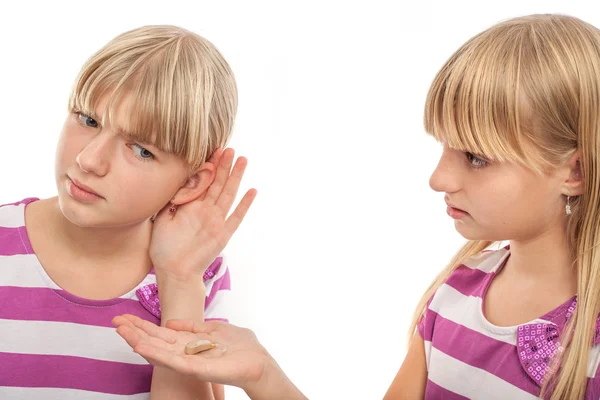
[(574, 184), (197, 184)]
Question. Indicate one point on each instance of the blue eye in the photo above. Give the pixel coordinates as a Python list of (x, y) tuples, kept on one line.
[(87, 120), (143, 153), (475, 161)]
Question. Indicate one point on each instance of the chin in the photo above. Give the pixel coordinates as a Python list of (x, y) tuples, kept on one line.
[(471, 233)]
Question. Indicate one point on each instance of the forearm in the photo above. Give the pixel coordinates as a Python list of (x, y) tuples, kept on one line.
[(274, 385), (180, 300)]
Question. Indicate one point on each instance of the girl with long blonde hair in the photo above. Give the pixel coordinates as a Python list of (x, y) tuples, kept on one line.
[(517, 109)]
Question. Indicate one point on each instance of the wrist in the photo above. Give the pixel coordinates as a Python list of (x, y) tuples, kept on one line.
[(181, 299), (273, 384), (178, 277)]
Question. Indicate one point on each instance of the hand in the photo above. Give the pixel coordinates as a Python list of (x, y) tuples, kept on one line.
[(184, 243), (243, 363)]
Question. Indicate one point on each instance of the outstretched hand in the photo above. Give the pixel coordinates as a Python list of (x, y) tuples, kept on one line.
[(239, 360)]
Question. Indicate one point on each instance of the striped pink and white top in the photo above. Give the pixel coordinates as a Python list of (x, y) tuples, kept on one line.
[(54, 345), (470, 358)]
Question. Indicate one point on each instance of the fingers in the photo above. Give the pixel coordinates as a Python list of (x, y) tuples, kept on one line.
[(216, 156), (192, 326), (163, 358), (227, 195), (223, 169), (130, 335), (236, 218), (165, 334)]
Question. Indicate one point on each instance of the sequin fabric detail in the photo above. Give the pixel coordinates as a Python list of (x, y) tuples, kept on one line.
[(538, 344), (148, 296)]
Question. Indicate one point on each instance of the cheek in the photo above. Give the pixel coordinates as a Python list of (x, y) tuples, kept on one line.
[(500, 203), (144, 189), (66, 151)]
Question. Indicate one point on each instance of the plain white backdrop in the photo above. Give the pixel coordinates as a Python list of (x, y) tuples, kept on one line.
[(345, 234)]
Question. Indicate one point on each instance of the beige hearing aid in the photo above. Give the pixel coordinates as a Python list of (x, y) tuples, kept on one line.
[(199, 346)]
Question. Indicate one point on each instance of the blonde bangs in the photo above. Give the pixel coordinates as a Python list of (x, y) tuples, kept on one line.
[(476, 104), (176, 90)]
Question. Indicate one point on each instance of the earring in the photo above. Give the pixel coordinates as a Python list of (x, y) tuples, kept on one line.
[(568, 206), (172, 208)]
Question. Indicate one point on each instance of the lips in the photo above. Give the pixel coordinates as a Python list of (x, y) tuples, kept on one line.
[(84, 187), (456, 208), (447, 200)]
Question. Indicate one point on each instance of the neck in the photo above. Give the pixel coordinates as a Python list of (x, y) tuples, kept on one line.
[(545, 259), (101, 247)]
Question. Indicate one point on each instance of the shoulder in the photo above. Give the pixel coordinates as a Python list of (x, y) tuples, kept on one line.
[(217, 281), (465, 285), (216, 278), (474, 273), (13, 237), (12, 215)]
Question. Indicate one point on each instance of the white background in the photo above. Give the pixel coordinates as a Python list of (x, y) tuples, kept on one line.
[(345, 234)]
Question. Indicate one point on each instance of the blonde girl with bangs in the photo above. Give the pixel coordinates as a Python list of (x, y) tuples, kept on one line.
[(138, 225), (517, 109)]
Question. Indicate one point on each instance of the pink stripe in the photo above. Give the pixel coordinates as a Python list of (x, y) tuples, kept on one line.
[(593, 388), (436, 392), (425, 329), (483, 352), (44, 304), (213, 268), (223, 283), (470, 281), (11, 242), (24, 201), (26, 370), (426, 325)]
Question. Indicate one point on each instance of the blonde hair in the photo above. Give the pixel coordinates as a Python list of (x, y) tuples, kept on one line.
[(532, 81), (181, 91)]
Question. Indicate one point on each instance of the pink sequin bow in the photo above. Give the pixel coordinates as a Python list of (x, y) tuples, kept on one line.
[(538, 344), (148, 294)]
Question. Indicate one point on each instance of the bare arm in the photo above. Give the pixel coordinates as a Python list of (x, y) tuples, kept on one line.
[(184, 300), (410, 381)]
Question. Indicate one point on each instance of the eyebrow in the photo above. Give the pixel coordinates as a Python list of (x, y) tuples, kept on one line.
[(120, 131)]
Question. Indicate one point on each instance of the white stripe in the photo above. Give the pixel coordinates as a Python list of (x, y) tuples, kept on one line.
[(428, 346), (20, 393), (222, 269), (23, 270), (487, 262), (65, 338), (593, 361), (12, 216), (220, 306), (469, 381), (467, 311)]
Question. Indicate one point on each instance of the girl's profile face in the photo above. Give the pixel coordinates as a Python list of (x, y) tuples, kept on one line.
[(133, 180), (500, 201)]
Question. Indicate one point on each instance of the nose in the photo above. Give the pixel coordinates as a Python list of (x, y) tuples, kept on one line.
[(94, 157), (445, 177)]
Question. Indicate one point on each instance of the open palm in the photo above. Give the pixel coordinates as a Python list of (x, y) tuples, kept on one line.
[(239, 360)]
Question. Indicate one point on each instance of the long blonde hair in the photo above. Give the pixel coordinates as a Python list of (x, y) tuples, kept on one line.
[(532, 80), (183, 96)]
